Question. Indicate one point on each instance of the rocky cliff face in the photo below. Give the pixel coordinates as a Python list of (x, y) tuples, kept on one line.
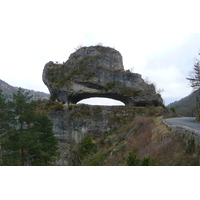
[(73, 123), (94, 72), (97, 72)]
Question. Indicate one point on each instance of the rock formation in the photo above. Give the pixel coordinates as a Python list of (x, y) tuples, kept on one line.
[(97, 71)]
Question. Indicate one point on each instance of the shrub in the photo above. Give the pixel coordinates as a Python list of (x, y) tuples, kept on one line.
[(52, 97), (97, 160), (191, 146), (109, 86), (70, 107), (80, 114), (59, 107), (173, 110), (86, 146), (147, 161), (132, 160)]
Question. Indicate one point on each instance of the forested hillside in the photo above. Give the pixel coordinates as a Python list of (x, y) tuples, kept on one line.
[(185, 107), (8, 90)]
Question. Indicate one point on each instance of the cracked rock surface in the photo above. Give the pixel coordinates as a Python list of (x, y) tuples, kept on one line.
[(98, 71)]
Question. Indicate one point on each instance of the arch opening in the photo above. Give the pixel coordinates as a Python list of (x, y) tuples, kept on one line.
[(103, 101)]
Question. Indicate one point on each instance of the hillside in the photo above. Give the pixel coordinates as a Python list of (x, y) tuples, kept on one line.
[(136, 136), (132, 135), (110, 135), (185, 107), (8, 90)]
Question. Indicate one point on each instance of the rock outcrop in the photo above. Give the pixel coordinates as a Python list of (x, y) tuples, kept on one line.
[(97, 72), (72, 123)]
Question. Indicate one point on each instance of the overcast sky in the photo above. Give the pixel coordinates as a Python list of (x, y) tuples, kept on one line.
[(154, 37)]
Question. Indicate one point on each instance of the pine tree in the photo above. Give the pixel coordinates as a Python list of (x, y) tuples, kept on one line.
[(30, 140), (21, 116), (3, 114), (3, 121), (46, 150)]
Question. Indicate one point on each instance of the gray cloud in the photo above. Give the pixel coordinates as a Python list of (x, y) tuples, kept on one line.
[(169, 69)]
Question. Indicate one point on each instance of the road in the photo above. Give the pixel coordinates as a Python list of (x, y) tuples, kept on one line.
[(185, 121)]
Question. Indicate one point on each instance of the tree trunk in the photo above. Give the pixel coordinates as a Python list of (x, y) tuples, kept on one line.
[(22, 153), (198, 106), (22, 148)]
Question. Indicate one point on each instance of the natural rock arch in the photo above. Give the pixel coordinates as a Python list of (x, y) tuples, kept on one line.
[(98, 72), (87, 96), (101, 101)]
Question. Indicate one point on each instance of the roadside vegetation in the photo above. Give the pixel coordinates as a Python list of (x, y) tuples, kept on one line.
[(139, 140), (137, 136)]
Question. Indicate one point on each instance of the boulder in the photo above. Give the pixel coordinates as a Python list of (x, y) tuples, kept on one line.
[(98, 71)]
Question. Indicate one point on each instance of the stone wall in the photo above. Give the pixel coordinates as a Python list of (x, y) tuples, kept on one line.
[(184, 131)]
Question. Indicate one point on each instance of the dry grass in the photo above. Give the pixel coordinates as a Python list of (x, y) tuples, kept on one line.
[(145, 136), (154, 140)]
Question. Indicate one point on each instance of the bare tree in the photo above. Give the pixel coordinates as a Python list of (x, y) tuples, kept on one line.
[(195, 84), (158, 90), (78, 47), (195, 76)]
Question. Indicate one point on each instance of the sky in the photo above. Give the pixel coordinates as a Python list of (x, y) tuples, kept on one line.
[(157, 39)]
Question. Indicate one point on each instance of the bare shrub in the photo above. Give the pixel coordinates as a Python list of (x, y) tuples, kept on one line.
[(142, 123), (100, 44), (78, 47), (143, 126)]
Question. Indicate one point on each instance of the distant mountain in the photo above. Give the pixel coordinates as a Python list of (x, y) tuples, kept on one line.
[(8, 90), (185, 107)]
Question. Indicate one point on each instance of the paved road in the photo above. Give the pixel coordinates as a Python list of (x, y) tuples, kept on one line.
[(185, 121)]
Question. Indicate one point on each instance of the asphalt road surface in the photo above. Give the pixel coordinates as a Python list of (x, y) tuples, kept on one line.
[(185, 121)]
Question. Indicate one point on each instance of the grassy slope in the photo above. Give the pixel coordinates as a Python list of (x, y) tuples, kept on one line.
[(139, 131), (144, 136)]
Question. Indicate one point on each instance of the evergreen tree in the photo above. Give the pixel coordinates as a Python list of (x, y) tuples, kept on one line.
[(22, 108), (3, 114), (45, 151), (30, 140), (21, 116), (3, 121)]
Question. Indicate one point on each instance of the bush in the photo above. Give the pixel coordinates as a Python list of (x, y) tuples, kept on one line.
[(191, 146), (132, 160), (147, 161), (59, 107), (86, 146), (173, 109), (52, 98), (97, 160), (70, 107)]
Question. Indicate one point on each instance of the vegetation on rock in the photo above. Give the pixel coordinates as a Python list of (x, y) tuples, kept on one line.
[(98, 72), (136, 138)]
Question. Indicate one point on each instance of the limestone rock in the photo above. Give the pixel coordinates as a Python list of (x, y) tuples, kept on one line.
[(97, 72), (95, 56)]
